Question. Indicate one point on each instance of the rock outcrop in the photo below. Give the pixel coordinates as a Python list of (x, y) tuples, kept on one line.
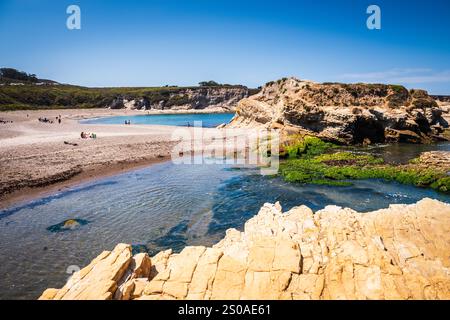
[(435, 159), (344, 113), (220, 97), (397, 253)]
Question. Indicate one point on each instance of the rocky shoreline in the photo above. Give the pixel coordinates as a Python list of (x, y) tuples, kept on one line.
[(396, 253)]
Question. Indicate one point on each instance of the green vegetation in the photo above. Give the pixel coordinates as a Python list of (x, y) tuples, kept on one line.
[(66, 96), (304, 146), (398, 88), (308, 162), (210, 83), (10, 75)]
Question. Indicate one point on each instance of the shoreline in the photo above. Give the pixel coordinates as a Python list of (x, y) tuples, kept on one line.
[(37, 159), (29, 194), (104, 112)]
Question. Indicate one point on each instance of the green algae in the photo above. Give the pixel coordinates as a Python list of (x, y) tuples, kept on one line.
[(336, 169)]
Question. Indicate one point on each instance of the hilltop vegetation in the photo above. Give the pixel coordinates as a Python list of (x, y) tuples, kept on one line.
[(11, 76)]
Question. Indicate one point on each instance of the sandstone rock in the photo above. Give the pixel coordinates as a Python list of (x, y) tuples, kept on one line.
[(99, 279), (336, 253), (435, 159), (49, 294), (344, 113), (140, 267)]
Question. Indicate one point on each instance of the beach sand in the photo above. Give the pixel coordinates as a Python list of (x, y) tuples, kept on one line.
[(34, 159)]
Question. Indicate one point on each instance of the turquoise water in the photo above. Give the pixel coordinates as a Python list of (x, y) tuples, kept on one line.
[(208, 120), (163, 206)]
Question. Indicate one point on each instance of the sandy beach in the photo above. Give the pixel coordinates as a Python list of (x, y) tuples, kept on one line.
[(35, 158)]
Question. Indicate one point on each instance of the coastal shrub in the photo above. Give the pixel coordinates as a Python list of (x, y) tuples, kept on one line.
[(398, 88), (442, 185)]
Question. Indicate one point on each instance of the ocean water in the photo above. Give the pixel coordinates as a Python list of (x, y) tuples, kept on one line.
[(159, 207), (208, 120)]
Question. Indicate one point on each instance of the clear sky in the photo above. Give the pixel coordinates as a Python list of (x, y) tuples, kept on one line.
[(158, 42)]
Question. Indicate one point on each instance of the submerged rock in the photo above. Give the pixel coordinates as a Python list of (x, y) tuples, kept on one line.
[(396, 253), (344, 113), (70, 224)]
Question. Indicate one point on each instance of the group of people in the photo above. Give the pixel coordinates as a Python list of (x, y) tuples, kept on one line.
[(127, 121), (46, 120), (87, 135), (5, 121)]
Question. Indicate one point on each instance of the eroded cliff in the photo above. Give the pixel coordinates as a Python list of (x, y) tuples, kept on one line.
[(220, 97)]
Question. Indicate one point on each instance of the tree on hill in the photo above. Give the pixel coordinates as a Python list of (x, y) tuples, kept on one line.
[(13, 74), (210, 83)]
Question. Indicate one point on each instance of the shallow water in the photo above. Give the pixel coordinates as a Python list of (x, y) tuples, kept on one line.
[(209, 120), (402, 152), (163, 206)]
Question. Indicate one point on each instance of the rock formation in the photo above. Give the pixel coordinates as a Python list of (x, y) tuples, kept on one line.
[(435, 159), (220, 97), (344, 113), (397, 253), (445, 106)]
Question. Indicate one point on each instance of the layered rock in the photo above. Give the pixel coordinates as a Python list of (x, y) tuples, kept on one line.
[(435, 159), (395, 253), (344, 113), (221, 97)]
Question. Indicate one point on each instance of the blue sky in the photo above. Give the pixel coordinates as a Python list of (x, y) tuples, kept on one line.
[(158, 42)]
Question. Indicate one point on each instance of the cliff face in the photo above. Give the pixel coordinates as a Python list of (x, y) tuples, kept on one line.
[(395, 253), (34, 96), (344, 113), (225, 98)]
